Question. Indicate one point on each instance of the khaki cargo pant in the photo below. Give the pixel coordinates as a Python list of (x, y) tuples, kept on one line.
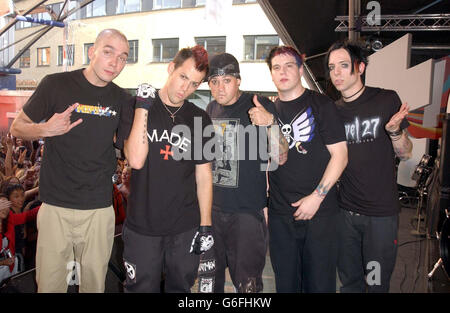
[(73, 247)]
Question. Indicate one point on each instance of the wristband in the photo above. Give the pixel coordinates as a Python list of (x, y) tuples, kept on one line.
[(394, 133), (144, 95)]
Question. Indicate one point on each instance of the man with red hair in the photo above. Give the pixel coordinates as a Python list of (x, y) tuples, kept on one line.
[(169, 207)]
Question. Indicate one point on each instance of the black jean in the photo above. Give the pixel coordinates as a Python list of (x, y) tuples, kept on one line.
[(303, 253), (241, 245), (367, 251), (147, 258)]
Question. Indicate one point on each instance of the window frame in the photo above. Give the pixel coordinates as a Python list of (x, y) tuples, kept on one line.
[(255, 47), (47, 56), (21, 63), (71, 56), (86, 47), (133, 57), (161, 50), (206, 38)]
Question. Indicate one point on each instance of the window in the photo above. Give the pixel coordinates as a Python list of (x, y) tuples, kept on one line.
[(258, 47), (164, 50), (69, 56), (125, 6), (24, 60), (213, 45), (166, 4), (43, 56), (55, 8), (86, 52), (146, 5), (200, 2), (243, 1), (134, 51), (96, 8), (21, 24)]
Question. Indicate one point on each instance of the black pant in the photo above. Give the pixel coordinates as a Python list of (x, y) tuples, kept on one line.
[(146, 258), (303, 253), (241, 245), (367, 249)]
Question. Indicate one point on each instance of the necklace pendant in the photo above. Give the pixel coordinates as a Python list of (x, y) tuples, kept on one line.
[(173, 118)]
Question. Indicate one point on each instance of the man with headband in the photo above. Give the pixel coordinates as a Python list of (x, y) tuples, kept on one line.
[(239, 223)]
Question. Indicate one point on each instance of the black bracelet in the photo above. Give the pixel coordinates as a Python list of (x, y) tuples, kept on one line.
[(20, 165), (395, 133)]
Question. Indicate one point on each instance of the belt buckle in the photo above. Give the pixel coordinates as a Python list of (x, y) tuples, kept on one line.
[(354, 213)]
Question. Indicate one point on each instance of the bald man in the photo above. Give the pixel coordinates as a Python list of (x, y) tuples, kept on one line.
[(78, 115)]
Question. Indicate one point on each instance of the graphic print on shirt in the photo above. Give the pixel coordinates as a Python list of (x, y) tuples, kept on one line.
[(363, 131), (226, 168), (95, 110), (299, 130), (173, 140)]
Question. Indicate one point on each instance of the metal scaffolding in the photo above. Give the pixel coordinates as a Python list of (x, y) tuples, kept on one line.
[(413, 22)]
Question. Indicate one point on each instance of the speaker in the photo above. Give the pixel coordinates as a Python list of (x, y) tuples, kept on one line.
[(444, 171)]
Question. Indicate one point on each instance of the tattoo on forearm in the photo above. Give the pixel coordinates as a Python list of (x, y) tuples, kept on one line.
[(322, 190), (144, 138), (402, 146), (278, 145)]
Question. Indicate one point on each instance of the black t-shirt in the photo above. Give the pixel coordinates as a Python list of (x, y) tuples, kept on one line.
[(239, 175), (368, 183), (163, 194), (309, 123), (77, 167)]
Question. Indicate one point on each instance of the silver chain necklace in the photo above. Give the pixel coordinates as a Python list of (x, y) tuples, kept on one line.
[(172, 115)]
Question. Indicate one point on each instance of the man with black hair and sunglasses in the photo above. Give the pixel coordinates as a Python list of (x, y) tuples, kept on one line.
[(375, 123)]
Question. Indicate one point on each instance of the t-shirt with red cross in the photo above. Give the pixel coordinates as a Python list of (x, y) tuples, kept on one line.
[(163, 196)]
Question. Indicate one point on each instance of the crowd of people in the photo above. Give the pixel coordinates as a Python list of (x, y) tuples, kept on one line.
[(198, 214), (20, 162)]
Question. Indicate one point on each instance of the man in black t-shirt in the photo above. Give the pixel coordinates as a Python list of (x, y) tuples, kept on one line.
[(303, 199), (168, 222), (239, 226), (81, 110), (374, 122)]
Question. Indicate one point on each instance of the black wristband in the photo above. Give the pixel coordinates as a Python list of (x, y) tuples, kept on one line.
[(20, 165), (395, 133), (142, 103), (144, 96), (204, 229)]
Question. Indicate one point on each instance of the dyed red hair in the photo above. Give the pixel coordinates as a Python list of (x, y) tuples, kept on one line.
[(198, 53)]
